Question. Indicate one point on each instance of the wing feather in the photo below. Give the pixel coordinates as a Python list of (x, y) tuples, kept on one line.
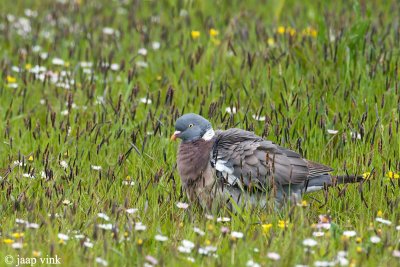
[(244, 156)]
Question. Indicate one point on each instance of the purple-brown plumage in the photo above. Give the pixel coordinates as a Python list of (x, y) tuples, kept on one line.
[(217, 167)]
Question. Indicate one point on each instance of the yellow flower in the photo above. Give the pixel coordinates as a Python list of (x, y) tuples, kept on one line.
[(304, 203), (283, 224), (366, 175), (18, 235), (291, 31), (213, 32), (159, 77), (128, 178), (195, 34), (139, 242), (180, 224), (28, 66), (36, 253), (266, 227), (207, 242), (210, 227), (11, 79), (313, 33), (281, 30), (126, 234), (8, 241), (61, 242), (271, 41), (30, 158), (392, 175), (359, 249), (66, 64), (359, 240), (379, 214)]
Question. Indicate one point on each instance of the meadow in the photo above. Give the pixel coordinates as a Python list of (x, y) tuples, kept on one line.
[(89, 93)]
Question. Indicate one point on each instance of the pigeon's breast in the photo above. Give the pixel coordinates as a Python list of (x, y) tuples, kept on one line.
[(193, 160)]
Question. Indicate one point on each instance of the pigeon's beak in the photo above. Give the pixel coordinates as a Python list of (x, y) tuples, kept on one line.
[(175, 135)]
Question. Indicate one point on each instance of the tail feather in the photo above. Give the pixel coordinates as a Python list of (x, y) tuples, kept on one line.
[(320, 182), (346, 179)]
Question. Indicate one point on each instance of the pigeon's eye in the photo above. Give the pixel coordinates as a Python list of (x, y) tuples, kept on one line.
[(191, 125)]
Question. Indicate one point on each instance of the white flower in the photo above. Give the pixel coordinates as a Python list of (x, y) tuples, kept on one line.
[(58, 62), (36, 49), (152, 260), (398, 227), (15, 69), (207, 250), (396, 253), (349, 233), (140, 226), (88, 244), (155, 45), (324, 263), (209, 217), (223, 219), (66, 202), (32, 225), (64, 164), (309, 242), (114, 67), (375, 239), (183, 13), (187, 244), (342, 261), (108, 31), (80, 236), (101, 261), (19, 163), (237, 234), (96, 168), (231, 110), (85, 64), (131, 211), (142, 64), (355, 135), (183, 249), (142, 51), (326, 226), (44, 55), (107, 226), (191, 259), (128, 183), (12, 85), (182, 205), (145, 100), (63, 236), (251, 263), (258, 118), (17, 245), (28, 175), (198, 231), (318, 234), (381, 220), (161, 238), (273, 256), (331, 131), (103, 216)]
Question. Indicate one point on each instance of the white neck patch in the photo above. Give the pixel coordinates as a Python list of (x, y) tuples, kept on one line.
[(208, 135)]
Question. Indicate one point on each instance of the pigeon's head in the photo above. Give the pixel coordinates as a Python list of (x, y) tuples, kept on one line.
[(192, 127)]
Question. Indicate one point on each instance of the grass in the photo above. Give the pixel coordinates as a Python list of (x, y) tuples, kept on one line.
[(334, 67)]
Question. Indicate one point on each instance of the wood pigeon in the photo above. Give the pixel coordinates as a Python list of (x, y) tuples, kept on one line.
[(219, 167)]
